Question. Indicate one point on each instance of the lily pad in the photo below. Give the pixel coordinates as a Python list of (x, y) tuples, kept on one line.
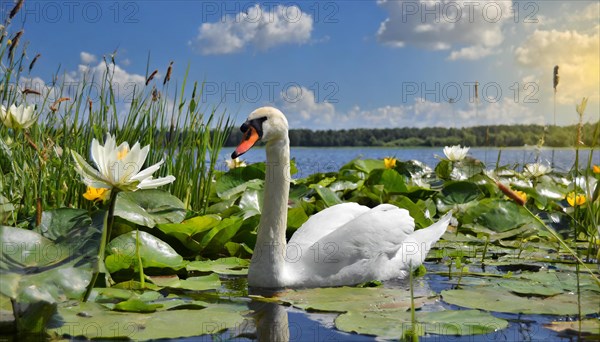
[(92, 320), (501, 299), (338, 299), (209, 282), (588, 327), (393, 324), (149, 207), (226, 266), (186, 230), (153, 251)]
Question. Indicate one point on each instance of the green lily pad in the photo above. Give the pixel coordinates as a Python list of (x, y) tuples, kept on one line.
[(392, 181), (327, 195), (296, 217), (149, 207), (209, 282), (393, 324), (571, 328), (153, 251), (136, 305), (60, 223), (498, 215), (92, 320), (251, 202), (501, 299), (460, 192), (338, 299), (226, 266), (186, 230)]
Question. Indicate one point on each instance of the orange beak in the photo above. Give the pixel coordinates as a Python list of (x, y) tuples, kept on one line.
[(249, 139)]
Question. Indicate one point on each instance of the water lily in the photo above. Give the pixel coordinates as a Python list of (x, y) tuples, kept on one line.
[(536, 170), (96, 194), (574, 200), (596, 169), (235, 163), (119, 167), (17, 117), (456, 153), (390, 162)]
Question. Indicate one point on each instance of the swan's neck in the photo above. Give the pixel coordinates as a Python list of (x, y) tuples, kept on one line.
[(268, 261)]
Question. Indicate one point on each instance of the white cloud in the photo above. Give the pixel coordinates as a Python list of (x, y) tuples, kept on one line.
[(303, 107), (258, 27), (470, 53), (87, 58), (471, 28), (576, 54), (308, 113)]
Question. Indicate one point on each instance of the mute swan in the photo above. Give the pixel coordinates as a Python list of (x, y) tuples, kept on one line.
[(345, 244)]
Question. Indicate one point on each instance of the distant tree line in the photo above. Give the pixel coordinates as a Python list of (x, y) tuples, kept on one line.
[(496, 135)]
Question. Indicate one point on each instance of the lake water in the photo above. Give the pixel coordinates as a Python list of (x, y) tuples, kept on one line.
[(310, 160)]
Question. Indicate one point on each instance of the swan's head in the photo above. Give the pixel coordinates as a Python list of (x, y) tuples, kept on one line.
[(266, 124)]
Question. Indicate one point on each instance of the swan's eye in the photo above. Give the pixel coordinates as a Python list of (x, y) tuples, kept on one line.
[(244, 127)]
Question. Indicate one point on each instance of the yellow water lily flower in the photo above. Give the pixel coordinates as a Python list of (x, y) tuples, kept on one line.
[(575, 200), (17, 117), (119, 167), (390, 162), (596, 168), (95, 194), (456, 153)]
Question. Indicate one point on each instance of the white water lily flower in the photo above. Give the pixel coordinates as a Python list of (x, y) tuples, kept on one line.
[(235, 163), (456, 153), (17, 117), (119, 167), (536, 170)]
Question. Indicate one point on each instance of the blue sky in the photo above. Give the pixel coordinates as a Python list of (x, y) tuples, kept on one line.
[(338, 64)]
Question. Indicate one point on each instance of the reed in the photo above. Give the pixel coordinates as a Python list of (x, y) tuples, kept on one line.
[(37, 171)]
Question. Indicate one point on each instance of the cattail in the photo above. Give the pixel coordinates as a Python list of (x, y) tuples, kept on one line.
[(556, 77), (168, 76), (90, 105), (476, 91), (151, 76), (155, 95), (54, 106), (28, 91), (14, 42), (33, 61), (511, 194), (16, 9)]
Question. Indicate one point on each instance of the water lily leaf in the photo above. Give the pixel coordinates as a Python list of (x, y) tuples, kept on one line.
[(76, 320), (62, 222), (571, 328), (153, 252), (203, 283), (460, 192), (226, 266), (393, 324), (37, 273), (392, 181), (136, 305), (149, 207), (296, 217), (251, 202), (501, 299), (186, 230), (364, 165), (238, 180), (337, 299), (214, 241), (327, 195), (497, 215), (415, 212)]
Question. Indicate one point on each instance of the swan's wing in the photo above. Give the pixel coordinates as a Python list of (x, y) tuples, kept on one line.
[(325, 222), (377, 233), (414, 249)]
